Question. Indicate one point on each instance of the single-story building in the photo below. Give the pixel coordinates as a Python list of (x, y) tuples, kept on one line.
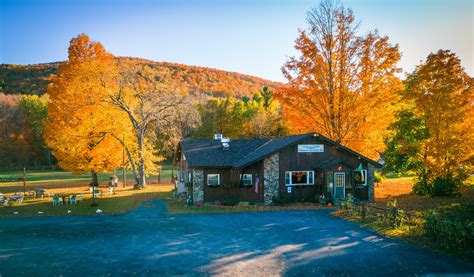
[(297, 167)]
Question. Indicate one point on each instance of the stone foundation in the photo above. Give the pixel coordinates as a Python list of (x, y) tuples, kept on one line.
[(198, 185), (271, 174)]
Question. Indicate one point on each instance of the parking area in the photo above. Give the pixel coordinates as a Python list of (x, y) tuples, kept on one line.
[(151, 241)]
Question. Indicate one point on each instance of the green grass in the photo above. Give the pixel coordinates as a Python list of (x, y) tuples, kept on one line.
[(110, 205), (125, 198), (60, 175)]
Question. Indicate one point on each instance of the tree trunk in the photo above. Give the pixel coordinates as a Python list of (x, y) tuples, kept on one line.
[(94, 184), (140, 180)]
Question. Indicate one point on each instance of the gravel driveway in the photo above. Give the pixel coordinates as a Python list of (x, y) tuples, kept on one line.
[(149, 241)]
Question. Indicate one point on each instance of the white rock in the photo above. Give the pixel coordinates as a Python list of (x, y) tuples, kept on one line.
[(40, 212), (68, 211), (99, 211), (15, 212)]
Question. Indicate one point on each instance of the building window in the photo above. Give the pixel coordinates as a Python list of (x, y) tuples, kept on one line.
[(213, 180), (190, 176), (246, 179), (298, 178)]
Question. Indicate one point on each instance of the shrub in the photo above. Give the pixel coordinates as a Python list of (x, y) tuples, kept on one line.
[(439, 186), (280, 200), (377, 177)]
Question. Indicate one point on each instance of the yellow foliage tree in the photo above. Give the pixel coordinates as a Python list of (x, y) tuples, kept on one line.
[(82, 124), (342, 85), (443, 94)]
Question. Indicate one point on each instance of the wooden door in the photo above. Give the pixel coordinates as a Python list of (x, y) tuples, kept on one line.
[(339, 185)]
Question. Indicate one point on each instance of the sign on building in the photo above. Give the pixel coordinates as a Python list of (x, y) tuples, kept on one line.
[(310, 148)]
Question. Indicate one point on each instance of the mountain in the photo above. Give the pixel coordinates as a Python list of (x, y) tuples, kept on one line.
[(198, 81)]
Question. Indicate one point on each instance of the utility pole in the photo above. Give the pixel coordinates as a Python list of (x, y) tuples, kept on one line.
[(124, 174), (24, 181), (159, 175)]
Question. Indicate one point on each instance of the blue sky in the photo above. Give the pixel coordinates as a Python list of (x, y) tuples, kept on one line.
[(252, 37)]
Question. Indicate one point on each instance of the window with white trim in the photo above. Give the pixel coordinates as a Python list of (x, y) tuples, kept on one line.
[(299, 178), (213, 179), (246, 179)]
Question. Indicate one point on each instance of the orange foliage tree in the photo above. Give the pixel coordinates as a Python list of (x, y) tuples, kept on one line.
[(342, 85), (81, 122)]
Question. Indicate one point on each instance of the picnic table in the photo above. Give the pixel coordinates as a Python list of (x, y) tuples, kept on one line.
[(64, 196)]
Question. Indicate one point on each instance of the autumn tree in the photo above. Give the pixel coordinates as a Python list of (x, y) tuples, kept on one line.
[(405, 141), (443, 95), (15, 133), (35, 109), (259, 117), (81, 121), (21, 131), (146, 99), (342, 85), (168, 133)]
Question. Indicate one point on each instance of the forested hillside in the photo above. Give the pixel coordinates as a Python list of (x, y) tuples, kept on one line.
[(199, 81)]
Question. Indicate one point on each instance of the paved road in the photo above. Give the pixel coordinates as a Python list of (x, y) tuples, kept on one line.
[(149, 241)]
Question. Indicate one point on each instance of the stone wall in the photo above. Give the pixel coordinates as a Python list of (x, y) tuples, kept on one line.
[(198, 185), (271, 170), (370, 182)]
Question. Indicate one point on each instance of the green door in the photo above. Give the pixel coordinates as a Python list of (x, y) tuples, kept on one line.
[(339, 185)]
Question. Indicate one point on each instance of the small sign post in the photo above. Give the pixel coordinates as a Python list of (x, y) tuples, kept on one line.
[(24, 181)]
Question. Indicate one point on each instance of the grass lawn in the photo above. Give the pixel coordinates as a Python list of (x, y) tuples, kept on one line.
[(124, 199), (454, 208), (12, 178)]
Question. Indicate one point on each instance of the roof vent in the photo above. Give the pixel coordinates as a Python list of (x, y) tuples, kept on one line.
[(217, 136)]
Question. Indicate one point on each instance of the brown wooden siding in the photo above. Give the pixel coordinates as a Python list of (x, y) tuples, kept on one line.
[(291, 160), (235, 193)]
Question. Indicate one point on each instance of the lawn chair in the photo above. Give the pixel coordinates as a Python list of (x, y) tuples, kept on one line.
[(57, 201), (95, 191), (110, 190), (73, 200), (2, 198), (19, 200), (50, 197), (80, 197)]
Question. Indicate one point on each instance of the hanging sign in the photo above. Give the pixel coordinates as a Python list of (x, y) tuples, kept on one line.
[(310, 148)]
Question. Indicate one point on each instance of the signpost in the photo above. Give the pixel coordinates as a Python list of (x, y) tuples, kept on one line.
[(24, 181)]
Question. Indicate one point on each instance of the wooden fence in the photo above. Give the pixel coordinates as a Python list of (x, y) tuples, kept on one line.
[(447, 233)]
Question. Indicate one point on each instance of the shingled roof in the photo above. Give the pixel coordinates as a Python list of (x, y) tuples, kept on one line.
[(242, 153), (270, 147), (211, 153)]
